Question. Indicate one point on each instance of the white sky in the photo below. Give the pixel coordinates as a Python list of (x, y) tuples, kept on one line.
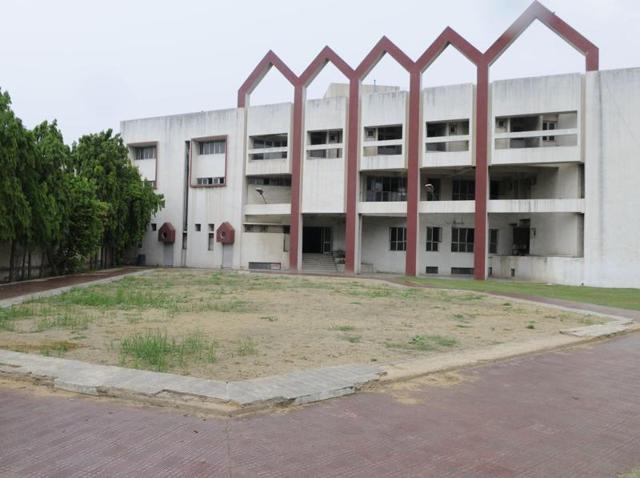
[(91, 64)]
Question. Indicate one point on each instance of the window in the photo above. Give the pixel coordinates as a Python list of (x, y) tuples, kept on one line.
[(463, 190), (269, 141), (270, 181), (462, 270), (331, 153), (213, 147), (461, 239), (154, 226), (433, 238), (398, 238), (386, 188), (548, 125), (447, 128), (144, 152), (383, 133), (431, 269), (198, 227), (211, 238), (217, 181), (493, 241), (325, 137)]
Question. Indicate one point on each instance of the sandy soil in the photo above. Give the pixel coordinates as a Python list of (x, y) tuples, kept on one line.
[(290, 322)]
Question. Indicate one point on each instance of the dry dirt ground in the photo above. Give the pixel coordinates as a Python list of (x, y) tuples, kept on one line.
[(232, 326)]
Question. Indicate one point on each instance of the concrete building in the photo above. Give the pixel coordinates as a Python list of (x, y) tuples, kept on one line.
[(531, 178)]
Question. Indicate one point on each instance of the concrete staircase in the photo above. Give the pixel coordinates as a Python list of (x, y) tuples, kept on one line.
[(318, 263)]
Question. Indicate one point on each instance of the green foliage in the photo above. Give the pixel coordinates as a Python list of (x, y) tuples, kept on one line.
[(154, 350), (103, 159), (68, 203)]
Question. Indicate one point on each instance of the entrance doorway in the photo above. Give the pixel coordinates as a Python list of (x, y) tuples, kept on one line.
[(316, 240)]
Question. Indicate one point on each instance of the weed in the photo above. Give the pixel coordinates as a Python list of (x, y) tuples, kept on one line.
[(65, 321), (231, 306), (269, 318), (352, 339), (425, 343), (246, 347), (154, 349), (343, 328), (531, 324)]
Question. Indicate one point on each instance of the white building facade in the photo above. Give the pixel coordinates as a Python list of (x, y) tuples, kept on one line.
[(326, 184)]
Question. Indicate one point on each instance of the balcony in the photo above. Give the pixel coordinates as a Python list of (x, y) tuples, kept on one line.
[(447, 207), (383, 155), (276, 209), (397, 208), (530, 206)]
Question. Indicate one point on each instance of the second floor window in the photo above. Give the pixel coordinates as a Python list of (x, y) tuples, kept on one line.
[(463, 190), (386, 188), (144, 152), (212, 147)]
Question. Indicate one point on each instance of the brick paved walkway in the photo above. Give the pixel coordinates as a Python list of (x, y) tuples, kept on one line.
[(574, 413), (15, 289)]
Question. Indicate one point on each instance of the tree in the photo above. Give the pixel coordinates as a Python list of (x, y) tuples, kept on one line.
[(103, 159), (16, 163)]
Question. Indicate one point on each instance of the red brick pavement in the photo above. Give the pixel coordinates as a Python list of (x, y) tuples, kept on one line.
[(14, 289), (572, 413)]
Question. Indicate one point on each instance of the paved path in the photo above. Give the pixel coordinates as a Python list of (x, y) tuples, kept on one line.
[(15, 289), (574, 413)]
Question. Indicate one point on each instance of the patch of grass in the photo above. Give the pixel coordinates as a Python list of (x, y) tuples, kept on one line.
[(50, 347), (343, 328), (531, 324), (633, 473), (425, 343), (231, 306), (65, 321), (11, 314), (122, 296), (610, 297), (246, 347), (352, 339), (154, 350), (269, 318)]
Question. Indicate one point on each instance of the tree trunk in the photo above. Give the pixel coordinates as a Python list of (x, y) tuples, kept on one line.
[(29, 265), (12, 259), (24, 262)]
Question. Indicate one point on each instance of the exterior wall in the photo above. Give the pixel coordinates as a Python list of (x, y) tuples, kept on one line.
[(269, 119), (383, 109), (447, 103), (529, 96), (323, 179), (375, 253), (207, 205), (612, 172), (444, 259)]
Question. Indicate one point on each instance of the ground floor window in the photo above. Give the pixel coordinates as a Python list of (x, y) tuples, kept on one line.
[(461, 239), (398, 238), (433, 238)]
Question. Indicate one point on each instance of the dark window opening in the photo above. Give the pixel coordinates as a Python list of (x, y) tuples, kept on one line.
[(463, 190), (493, 241), (462, 239), (433, 238), (386, 188), (212, 147), (398, 238), (144, 152)]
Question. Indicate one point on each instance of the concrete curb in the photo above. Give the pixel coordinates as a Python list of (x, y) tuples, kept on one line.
[(229, 397)]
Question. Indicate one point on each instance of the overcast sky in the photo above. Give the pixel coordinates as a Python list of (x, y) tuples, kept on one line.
[(90, 64)]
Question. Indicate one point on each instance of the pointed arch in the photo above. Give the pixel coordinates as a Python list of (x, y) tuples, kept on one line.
[(537, 11), (256, 76), (326, 55), (380, 49)]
